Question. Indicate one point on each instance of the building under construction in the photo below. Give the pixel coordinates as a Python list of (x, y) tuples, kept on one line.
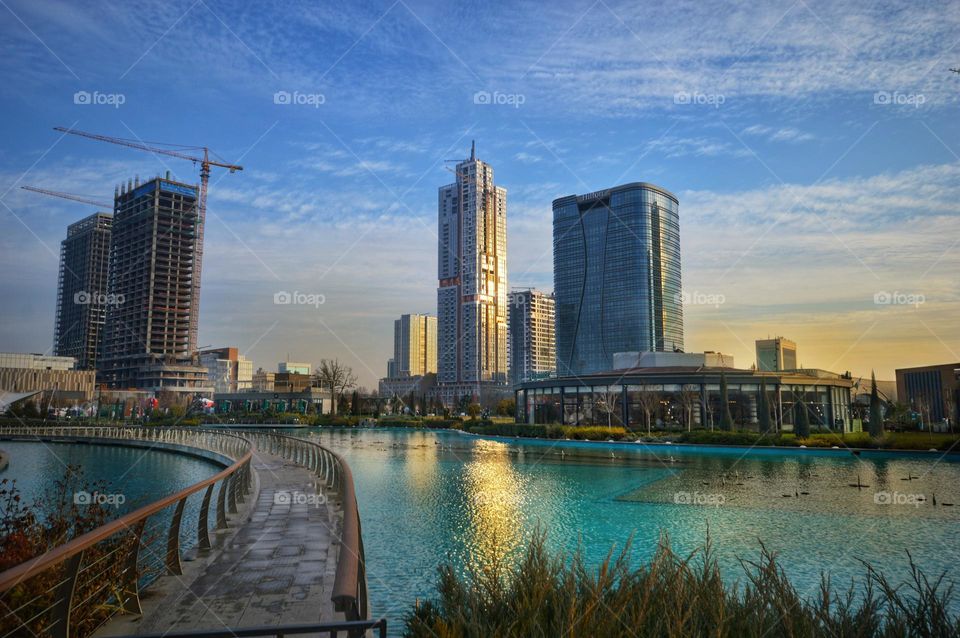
[(82, 297), (149, 339)]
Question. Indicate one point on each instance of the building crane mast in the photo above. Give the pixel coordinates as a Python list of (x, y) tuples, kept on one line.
[(205, 164), (70, 196)]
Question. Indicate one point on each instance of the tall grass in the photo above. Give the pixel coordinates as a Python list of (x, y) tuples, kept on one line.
[(544, 594)]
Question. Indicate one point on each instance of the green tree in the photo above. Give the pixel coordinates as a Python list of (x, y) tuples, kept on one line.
[(726, 419), (473, 410), (763, 408), (801, 425), (876, 410), (507, 407)]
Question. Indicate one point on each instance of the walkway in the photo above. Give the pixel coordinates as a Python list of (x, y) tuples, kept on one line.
[(274, 565)]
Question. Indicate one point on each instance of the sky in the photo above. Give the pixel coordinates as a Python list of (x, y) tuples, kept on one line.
[(814, 147)]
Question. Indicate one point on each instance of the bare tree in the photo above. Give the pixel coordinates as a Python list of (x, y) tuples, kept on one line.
[(689, 399), (649, 403), (338, 378)]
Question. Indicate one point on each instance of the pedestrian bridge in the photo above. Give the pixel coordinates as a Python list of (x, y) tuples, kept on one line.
[(278, 548)]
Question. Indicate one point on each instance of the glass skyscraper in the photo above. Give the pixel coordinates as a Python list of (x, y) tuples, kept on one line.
[(616, 269)]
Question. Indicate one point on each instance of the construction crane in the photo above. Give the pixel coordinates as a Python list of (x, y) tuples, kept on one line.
[(205, 164), (70, 196)]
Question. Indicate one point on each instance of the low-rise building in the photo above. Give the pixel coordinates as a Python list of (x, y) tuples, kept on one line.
[(932, 391), (54, 378), (227, 370)]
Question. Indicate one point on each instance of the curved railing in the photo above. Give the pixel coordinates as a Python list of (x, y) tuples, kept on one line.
[(350, 583), (74, 588)]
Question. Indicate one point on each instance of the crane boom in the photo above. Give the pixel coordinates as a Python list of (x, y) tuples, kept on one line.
[(70, 196), (205, 164)]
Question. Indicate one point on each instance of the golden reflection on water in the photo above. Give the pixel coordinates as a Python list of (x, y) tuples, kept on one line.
[(494, 498)]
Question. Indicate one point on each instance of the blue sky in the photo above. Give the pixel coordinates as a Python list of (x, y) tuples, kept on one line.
[(814, 147)]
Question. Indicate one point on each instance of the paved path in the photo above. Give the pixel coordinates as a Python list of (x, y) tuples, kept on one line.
[(275, 565)]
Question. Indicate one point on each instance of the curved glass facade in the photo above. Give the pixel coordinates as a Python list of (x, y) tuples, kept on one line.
[(616, 269)]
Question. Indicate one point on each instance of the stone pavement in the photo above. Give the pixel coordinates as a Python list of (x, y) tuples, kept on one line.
[(274, 565)]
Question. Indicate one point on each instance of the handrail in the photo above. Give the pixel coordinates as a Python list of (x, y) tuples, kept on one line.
[(350, 581), (235, 481)]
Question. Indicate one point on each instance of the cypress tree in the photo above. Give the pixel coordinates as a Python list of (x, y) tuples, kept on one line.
[(802, 423), (876, 412), (764, 407), (726, 419)]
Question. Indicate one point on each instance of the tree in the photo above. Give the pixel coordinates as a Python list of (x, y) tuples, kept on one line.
[(507, 407), (763, 408), (473, 410), (726, 419), (355, 403), (876, 410), (649, 403), (337, 377), (801, 425), (689, 398)]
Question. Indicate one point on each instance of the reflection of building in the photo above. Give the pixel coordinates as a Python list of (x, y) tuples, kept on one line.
[(472, 290), (683, 389), (616, 272), (82, 297), (777, 354), (532, 344), (227, 370), (414, 345), (933, 391), (296, 368), (149, 338), (53, 377)]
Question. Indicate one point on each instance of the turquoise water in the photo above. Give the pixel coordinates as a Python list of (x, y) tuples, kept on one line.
[(433, 497), (140, 475)]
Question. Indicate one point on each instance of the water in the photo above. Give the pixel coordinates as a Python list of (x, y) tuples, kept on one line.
[(432, 497), (140, 475), (428, 498)]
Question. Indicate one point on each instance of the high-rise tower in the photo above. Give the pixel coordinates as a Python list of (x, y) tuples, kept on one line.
[(82, 297), (472, 292), (153, 254), (616, 273)]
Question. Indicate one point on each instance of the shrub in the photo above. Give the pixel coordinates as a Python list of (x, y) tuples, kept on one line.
[(674, 595)]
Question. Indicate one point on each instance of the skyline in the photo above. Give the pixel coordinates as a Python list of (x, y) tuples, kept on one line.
[(804, 192)]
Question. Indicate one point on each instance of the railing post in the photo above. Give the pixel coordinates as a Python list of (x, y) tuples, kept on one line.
[(203, 533), (173, 540), (232, 494), (64, 598), (130, 587), (221, 504)]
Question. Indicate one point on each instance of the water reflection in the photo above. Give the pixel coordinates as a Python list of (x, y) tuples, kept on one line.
[(495, 495)]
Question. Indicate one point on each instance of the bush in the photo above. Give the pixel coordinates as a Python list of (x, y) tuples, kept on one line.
[(674, 595)]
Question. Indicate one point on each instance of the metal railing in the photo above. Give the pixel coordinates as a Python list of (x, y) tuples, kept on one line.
[(350, 582), (352, 628), (75, 587)]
